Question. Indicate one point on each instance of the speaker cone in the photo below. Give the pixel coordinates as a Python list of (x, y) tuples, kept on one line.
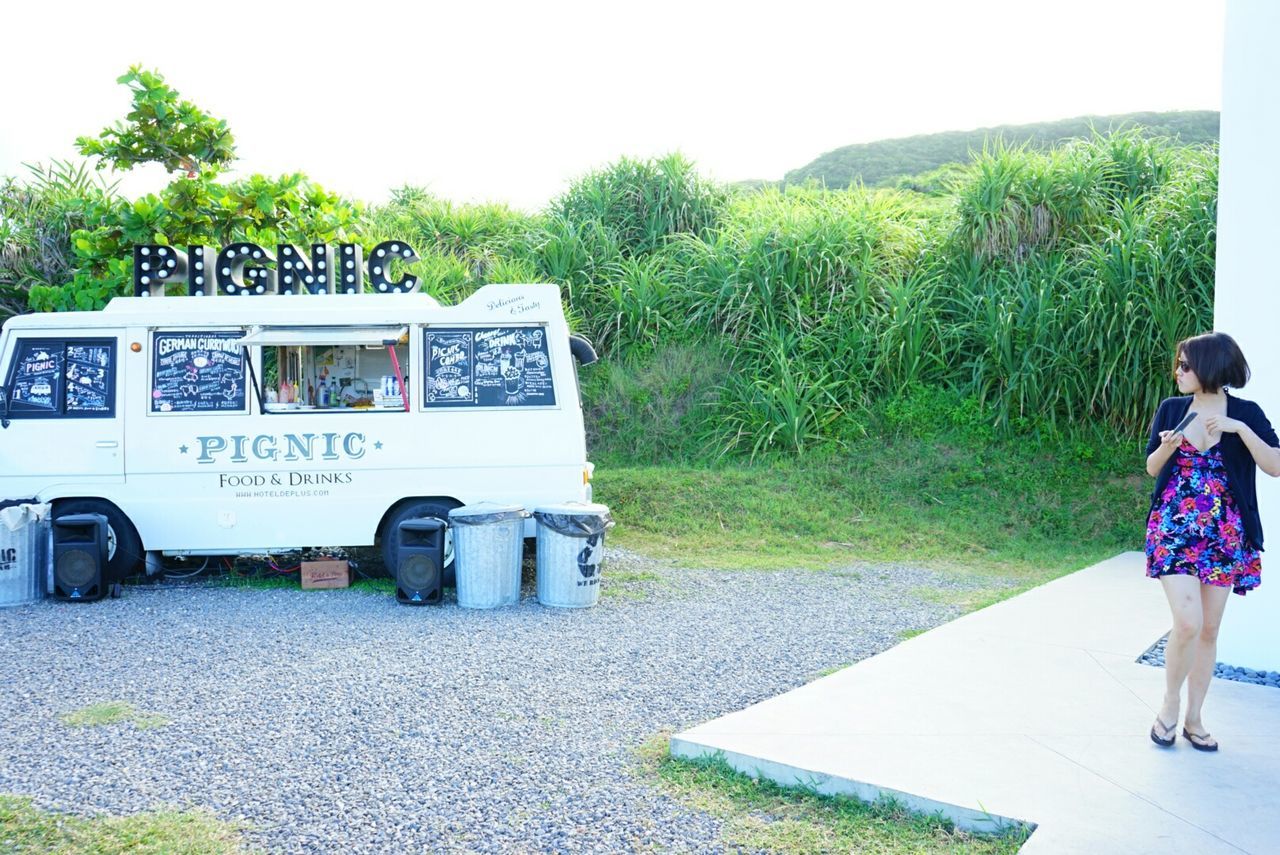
[(418, 572), (76, 568)]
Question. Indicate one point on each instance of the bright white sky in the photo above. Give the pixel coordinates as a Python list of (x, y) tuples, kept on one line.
[(478, 100)]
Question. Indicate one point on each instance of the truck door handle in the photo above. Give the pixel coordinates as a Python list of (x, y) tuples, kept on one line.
[(107, 443)]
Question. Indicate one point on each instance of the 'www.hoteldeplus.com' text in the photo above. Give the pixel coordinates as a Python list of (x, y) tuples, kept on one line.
[(265, 484)]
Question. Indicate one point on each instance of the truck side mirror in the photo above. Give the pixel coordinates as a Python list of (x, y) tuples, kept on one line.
[(4, 407), (582, 350)]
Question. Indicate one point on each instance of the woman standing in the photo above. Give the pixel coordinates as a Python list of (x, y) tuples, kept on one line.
[(1204, 535)]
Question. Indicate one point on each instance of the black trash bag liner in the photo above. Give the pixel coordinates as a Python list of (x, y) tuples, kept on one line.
[(576, 524), (486, 519)]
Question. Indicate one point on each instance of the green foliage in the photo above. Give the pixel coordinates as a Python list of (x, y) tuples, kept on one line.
[(37, 219), (462, 247), (643, 202), (112, 712), (787, 400), (883, 162), (162, 129), (636, 309), (757, 815), (194, 208), (1016, 510), (200, 210), (653, 408), (929, 411), (934, 182), (27, 829), (1050, 294)]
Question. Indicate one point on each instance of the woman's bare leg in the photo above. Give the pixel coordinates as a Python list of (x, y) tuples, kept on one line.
[(1183, 593), (1213, 601)]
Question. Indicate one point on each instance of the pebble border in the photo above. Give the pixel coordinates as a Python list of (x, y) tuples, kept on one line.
[(1154, 655)]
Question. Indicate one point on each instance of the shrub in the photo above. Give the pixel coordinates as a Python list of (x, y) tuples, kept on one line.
[(643, 202), (37, 220)]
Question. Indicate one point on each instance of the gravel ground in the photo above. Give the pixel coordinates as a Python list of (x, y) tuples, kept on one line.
[(339, 721)]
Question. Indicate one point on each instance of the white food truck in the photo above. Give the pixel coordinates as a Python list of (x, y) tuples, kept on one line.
[(220, 425)]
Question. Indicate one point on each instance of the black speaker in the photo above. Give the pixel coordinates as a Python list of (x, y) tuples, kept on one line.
[(79, 556), (420, 561)]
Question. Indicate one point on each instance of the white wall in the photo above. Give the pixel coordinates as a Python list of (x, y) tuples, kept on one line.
[(1247, 303)]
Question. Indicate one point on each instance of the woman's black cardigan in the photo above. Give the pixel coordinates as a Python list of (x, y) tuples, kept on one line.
[(1236, 458)]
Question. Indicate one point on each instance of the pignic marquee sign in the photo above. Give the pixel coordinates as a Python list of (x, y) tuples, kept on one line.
[(240, 269)]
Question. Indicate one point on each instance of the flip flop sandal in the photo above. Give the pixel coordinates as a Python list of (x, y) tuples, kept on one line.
[(1200, 741), (1171, 729)]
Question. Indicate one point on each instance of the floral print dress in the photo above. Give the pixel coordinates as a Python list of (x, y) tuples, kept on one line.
[(1195, 528)]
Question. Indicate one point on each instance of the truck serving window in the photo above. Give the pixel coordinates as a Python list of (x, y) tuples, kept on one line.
[(196, 371), (471, 367), (349, 369), (63, 378)]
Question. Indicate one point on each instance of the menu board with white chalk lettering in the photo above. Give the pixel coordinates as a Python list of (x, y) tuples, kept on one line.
[(56, 377), (487, 367), (197, 372), (88, 378), (37, 383)]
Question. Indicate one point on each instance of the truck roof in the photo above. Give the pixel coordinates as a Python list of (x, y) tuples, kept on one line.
[(488, 303)]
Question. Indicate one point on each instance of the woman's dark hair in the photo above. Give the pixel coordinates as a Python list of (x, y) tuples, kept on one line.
[(1215, 358)]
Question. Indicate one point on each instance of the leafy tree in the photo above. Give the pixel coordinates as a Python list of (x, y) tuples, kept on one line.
[(162, 129), (194, 208)]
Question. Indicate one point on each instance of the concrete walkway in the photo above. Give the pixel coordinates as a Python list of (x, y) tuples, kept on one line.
[(1031, 710)]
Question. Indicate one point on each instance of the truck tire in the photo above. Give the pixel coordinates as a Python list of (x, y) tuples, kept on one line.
[(124, 547), (416, 510)]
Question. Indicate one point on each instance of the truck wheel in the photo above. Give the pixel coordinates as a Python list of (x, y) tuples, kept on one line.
[(416, 511), (124, 547)]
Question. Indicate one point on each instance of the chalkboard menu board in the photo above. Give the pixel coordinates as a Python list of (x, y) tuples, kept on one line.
[(55, 377), (197, 372), (38, 377), (487, 367), (89, 378)]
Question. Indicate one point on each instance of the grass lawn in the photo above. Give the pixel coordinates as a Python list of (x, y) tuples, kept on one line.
[(762, 816), (1016, 513), (27, 829), (112, 712)]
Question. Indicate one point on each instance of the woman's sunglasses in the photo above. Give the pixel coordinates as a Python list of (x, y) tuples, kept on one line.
[(1184, 366)]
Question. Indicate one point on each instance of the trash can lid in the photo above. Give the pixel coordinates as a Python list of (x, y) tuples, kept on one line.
[(572, 508), (576, 519), (483, 513)]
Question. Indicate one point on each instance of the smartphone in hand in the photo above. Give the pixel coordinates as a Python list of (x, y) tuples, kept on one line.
[(1186, 420)]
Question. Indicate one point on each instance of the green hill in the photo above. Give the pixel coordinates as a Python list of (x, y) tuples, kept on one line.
[(880, 163)]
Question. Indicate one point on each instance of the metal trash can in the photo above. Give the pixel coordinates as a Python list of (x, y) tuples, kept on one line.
[(488, 544), (570, 548), (24, 532)]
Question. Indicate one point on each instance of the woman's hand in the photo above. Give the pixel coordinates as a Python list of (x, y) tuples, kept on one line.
[(1169, 441), (1222, 424)]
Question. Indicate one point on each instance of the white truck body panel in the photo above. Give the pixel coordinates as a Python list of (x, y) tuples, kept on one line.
[(251, 481)]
